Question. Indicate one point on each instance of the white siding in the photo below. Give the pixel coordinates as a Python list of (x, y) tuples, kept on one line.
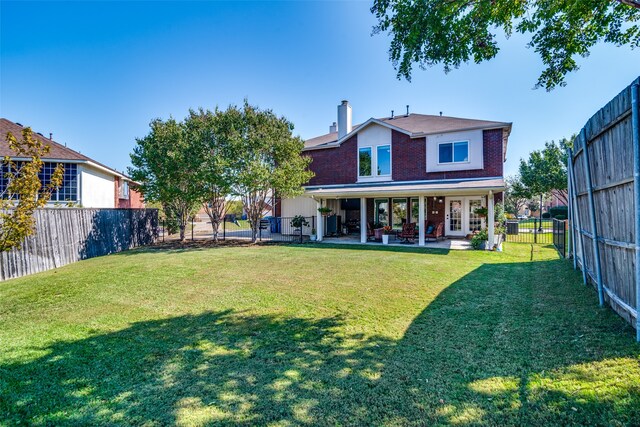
[(97, 188), (301, 205), (373, 136), (475, 151)]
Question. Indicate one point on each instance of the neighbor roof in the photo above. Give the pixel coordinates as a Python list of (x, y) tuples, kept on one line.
[(416, 125), (57, 151)]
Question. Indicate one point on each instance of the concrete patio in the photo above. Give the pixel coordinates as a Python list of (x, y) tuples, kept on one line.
[(455, 244)]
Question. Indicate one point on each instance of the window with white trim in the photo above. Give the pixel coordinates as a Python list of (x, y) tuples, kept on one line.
[(453, 152), (364, 161), (383, 160)]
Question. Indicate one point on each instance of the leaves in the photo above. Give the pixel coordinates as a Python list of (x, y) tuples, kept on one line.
[(24, 192), (453, 32), (546, 169)]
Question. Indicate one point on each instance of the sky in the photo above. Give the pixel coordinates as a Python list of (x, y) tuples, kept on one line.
[(96, 73)]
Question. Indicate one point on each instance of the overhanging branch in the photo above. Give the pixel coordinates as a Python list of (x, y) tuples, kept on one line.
[(632, 3)]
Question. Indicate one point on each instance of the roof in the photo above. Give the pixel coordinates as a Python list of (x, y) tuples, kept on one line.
[(57, 151), (448, 186), (416, 125)]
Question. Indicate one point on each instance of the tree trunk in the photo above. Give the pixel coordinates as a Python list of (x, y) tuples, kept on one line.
[(182, 229), (215, 227)]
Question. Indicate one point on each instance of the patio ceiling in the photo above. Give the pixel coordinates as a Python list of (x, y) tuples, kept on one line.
[(430, 188)]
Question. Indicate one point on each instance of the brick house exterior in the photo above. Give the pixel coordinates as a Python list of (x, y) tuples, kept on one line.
[(413, 168)]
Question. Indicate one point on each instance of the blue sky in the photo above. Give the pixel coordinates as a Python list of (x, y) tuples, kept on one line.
[(96, 73)]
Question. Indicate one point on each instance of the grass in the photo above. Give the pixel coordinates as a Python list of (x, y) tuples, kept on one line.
[(314, 335)]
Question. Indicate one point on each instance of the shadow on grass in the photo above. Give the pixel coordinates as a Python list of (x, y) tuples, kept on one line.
[(413, 249), (490, 349)]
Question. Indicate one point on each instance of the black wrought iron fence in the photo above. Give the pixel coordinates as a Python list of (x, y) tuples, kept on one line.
[(560, 236), (531, 230), (277, 229)]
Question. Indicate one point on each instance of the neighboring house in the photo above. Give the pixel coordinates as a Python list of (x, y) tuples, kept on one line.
[(409, 168), (86, 182)]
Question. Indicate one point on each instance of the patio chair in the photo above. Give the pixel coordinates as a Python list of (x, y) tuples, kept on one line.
[(434, 232), (370, 233), (408, 233)]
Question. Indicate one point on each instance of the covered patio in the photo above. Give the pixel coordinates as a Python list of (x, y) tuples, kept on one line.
[(356, 210), (449, 244)]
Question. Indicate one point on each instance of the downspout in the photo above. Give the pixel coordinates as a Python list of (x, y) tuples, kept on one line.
[(635, 120)]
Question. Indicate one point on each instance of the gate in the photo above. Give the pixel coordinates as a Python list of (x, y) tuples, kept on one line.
[(560, 236)]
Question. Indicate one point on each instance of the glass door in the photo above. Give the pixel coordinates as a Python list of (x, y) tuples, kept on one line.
[(400, 212), (381, 211), (476, 222), (454, 216)]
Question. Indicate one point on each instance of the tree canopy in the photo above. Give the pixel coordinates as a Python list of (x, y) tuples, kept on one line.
[(453, 32), (546, 170)]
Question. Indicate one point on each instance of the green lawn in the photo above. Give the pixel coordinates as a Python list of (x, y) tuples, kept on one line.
[(314, 335)]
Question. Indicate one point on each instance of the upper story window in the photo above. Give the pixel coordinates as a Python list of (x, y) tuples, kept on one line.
[(364, 161), (453, 152), (383, 160), (124, 190), (67, 192)]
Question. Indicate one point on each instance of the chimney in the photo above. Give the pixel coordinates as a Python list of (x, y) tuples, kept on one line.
[(333, 128), (407, 110), (391, 114), (50, 136), (344, 119), (440, 113)]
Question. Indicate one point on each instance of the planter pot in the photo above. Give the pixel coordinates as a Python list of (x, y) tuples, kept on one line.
[(313, 237), (385, 239), (377, 233)]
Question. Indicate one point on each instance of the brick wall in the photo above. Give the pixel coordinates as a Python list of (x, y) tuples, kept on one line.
[(335, 165), (339, 165), (135, 200)]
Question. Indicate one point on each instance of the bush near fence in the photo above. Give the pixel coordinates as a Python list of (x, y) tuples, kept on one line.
[(66, 235)]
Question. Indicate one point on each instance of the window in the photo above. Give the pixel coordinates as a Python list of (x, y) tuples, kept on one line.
[(123, 192), (67, 192), (384, 160), (453, 152), (399, 213), (382, 211), (364, 161)]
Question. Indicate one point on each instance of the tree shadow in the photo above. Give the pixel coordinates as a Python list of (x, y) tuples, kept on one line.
[(496, 348)]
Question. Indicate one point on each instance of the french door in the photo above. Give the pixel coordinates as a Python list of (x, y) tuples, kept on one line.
[(460, 216)]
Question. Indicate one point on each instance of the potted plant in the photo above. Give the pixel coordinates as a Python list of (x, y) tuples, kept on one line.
[(481, 212), (313, 236), (298, 222), (325, 210), (479, 240), (377, 231), (387, 231)]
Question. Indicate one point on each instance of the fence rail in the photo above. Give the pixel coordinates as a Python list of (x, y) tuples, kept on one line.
[(272, 229), (532, 230), (560, 236), (605, 203), (67, 235)]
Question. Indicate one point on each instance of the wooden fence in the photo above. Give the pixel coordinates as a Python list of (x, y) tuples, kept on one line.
[(66, 235), (604, 203)]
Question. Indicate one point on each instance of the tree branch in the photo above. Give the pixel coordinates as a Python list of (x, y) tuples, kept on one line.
[(632, 3)]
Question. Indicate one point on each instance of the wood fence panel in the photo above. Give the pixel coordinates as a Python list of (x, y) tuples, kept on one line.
[(607, 139), (64, 236)]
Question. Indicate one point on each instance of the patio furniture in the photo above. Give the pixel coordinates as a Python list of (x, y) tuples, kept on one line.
[(370, 233), (408, 233), (434, 231)]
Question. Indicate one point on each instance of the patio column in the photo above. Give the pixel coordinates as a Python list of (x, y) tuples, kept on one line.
[(319, 221), (363, 220), (421, 220), (490, 221)]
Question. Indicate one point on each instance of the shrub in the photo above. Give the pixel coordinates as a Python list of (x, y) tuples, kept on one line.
[(561, 217), (559, 210), (479, 238), (546, 215)]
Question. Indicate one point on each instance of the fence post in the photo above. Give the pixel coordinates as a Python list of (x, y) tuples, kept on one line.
[(576, 216), (571, 219), (163, 231), (535, 229), (592, 217), (635, 120), (224, 228)]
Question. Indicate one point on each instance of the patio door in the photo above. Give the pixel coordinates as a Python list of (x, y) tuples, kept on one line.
[(454, 216), (460, 216)]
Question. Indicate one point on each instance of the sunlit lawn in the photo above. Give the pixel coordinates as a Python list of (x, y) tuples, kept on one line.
[(314, 335)]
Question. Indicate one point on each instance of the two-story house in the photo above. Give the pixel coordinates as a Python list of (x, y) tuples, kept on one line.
[(85, 183), (408, 168)]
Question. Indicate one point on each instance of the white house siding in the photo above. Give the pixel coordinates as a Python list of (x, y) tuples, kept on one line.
[(374, 136), (301, 205), (475, 151), (97, 188)]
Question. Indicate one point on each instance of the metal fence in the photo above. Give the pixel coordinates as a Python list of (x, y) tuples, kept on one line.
[(271, 229), (532, 230), (560, 236)]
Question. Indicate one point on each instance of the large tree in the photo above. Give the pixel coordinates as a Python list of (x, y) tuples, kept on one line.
[(268, 160), (452, 32), (24, 192), (164, 164), (209, 136)]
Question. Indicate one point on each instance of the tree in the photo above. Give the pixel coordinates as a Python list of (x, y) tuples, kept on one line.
[(546, 170), (208, 134), (452, 32), (164, 164), (268, 160), (516, 195), (24, 192)]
